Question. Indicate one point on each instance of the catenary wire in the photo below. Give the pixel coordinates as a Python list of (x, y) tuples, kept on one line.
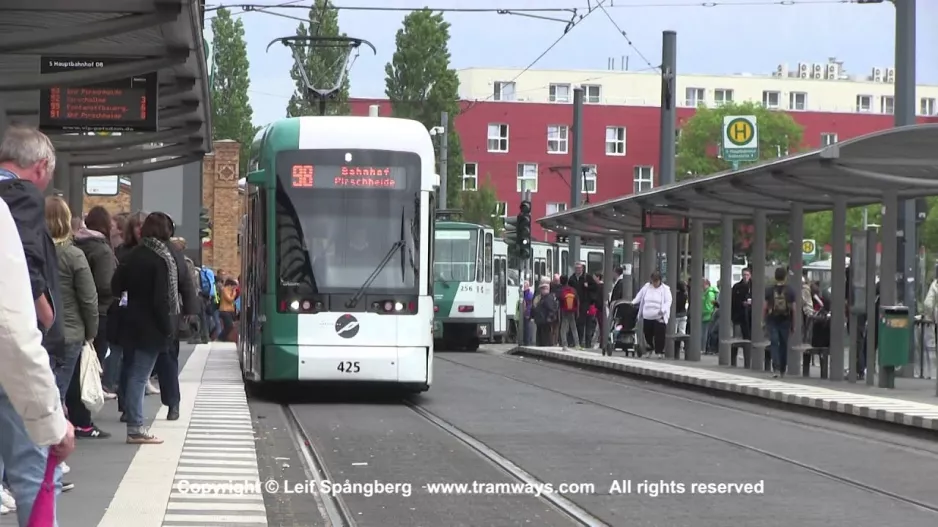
[(627, 39)]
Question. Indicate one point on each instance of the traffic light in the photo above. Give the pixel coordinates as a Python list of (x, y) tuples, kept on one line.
[(510, 233), (523, 224), (205, 225)]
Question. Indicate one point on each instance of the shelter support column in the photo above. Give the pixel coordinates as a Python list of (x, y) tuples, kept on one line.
[(838, 288), (628, 256), (609, 246), (61, 179), (888, 275), (4, 119), (757, 362), (695, 289), (726, 289), (649, 258), (674, 276), (796, 232), (76, 190)]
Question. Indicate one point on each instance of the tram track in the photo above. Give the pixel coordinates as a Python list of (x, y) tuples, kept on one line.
[(845, 480)]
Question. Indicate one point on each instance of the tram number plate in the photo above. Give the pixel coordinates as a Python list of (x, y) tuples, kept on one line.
[(349, 367)]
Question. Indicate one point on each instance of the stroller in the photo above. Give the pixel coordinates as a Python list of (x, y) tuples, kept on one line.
[(622, 330)]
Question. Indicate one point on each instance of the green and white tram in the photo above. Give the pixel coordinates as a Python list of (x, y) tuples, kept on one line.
[(464, 288), (336, 252)]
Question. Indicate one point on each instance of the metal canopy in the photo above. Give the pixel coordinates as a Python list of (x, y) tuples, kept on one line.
[(156, 35), (861, 169)]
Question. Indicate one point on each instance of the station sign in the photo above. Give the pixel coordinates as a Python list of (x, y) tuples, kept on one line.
[(740, 138), (662, 222), (124, 105), (808, 250)]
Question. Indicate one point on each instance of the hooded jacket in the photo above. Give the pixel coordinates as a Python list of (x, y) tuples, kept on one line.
[(709, 298), (102, 262)]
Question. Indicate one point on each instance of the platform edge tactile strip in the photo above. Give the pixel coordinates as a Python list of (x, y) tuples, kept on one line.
[(909, 413)]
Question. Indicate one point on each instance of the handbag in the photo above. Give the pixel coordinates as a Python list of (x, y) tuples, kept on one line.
[(92, 393), (43, 512)]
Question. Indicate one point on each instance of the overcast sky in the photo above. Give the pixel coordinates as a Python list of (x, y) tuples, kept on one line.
[(725, 39)]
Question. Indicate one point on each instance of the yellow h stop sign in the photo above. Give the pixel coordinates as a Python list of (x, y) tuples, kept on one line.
[(808, 247)]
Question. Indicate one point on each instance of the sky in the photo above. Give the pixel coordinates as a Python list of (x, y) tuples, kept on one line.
[(733, 36)]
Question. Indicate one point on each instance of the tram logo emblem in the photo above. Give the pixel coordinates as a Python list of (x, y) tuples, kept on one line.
[(346, 326)]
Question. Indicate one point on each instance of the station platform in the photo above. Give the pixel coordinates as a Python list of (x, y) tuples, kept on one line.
[(117, 484), (913, 403)]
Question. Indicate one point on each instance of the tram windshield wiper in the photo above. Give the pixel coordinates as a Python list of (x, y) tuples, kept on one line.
[(398, 245)]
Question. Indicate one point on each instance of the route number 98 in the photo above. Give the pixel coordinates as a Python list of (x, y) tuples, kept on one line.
[(349, 367)]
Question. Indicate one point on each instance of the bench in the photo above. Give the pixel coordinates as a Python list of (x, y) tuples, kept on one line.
[(677, 339), (807, 352), (735, 346)]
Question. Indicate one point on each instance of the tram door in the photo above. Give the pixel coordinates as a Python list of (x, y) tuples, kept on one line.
[(501, 295)]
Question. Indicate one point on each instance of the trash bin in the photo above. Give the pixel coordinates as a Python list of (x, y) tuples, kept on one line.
[(895, 336)]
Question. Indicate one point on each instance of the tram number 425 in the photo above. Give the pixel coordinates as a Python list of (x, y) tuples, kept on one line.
[(349, 367)]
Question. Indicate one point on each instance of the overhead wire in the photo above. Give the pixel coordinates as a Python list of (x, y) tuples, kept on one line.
[(627, 39)]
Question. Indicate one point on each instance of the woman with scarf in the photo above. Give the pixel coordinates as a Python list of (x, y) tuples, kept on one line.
[(147, 284)]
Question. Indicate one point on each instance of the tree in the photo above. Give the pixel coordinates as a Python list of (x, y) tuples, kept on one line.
[(231, 107), (698, 155), (481, 206), (420, 83), (323, 65)]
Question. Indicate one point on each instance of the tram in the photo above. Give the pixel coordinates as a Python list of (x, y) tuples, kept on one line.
[(337, 246)]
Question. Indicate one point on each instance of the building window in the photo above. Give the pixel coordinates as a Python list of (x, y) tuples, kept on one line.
[(554, 208), (888, 104), (615, 140), (559, 93), (588, 184), (771, 99), (504, 91), (927, 106), (643, 178), (557, 139), (592, 93), (864, 103), (498, 138), (828, 138), (722, 96), (501, 210), (694, 97), (527, 177), (470, 176), (798, 100)]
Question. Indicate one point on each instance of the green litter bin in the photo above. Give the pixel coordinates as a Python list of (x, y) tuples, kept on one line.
[(895, 336)]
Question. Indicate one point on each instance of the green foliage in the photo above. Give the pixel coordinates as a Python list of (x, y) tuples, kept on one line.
[(480, 206), (697, 155), (819, 225), (322, 65), (420, 83), (231, 107)]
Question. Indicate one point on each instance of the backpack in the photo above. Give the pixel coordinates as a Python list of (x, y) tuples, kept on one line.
[(193, 273), (207, 282), (568, 300), (780, 306)]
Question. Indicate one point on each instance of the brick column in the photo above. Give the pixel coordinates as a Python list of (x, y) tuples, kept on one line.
[(220, 195)]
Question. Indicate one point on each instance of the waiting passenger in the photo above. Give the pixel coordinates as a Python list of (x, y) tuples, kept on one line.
[(779, 314), (654, 303)]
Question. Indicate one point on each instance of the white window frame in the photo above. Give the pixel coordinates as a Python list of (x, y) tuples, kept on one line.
[(643, 175), (554, 96), (699, 97), (523, 174), (868, 106), (766, 99), (828, 138), (472, 175), (558, 138), (555, 207), (589, 182), (722, 96), (501, 210), (887, 104), (499, 89), (617, 145), (592, 94), (793, 101), (926, 106), (497, 143)]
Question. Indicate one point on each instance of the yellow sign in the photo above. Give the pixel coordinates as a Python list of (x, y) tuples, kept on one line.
[(898, 323), (740, 132), (808, 247)]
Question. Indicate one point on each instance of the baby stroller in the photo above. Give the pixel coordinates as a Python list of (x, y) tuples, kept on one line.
[(622, 330)]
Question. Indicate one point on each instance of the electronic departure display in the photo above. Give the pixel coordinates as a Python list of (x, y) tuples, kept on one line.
[(347, 177), (124, 105), (657, 221)]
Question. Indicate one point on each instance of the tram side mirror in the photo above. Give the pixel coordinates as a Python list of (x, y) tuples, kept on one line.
[(257, 178)]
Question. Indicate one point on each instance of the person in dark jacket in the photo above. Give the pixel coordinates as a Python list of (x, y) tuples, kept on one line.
[(618, 288), (27, 162), (585, 288), (94, 239), (147, 279), (742, 304), (545, 311)]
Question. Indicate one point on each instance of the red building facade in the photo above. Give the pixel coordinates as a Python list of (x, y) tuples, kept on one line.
[(518, 145)]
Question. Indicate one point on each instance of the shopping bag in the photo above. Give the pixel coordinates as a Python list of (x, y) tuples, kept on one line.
[(43, 513), (92, 393)]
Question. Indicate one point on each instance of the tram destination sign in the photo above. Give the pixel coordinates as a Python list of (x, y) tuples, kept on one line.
[(124, 105), (661, 222)]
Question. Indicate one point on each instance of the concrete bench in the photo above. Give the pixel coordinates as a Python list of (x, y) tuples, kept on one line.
[(677, 339), (824, 357), (740, 344)]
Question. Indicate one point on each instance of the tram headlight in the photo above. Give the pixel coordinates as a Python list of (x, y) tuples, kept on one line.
[(388, 306), (295, 305), (307, 305), (398, 306)]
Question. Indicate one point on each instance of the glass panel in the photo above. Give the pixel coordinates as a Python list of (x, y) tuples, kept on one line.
[(487, 254)]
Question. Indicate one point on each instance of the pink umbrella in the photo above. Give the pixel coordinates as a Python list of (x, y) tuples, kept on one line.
[(43, 513)]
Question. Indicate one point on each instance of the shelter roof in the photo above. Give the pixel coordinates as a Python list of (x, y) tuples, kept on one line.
[(860, 170)]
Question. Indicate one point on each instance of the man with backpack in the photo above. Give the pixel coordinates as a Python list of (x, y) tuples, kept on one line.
[(569, 310), (779, 314), (207, 294)]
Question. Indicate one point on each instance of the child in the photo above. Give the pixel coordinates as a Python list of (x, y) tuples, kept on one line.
[(569, 308)]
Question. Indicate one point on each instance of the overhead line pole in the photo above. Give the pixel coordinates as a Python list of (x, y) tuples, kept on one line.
[(576, 175)]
